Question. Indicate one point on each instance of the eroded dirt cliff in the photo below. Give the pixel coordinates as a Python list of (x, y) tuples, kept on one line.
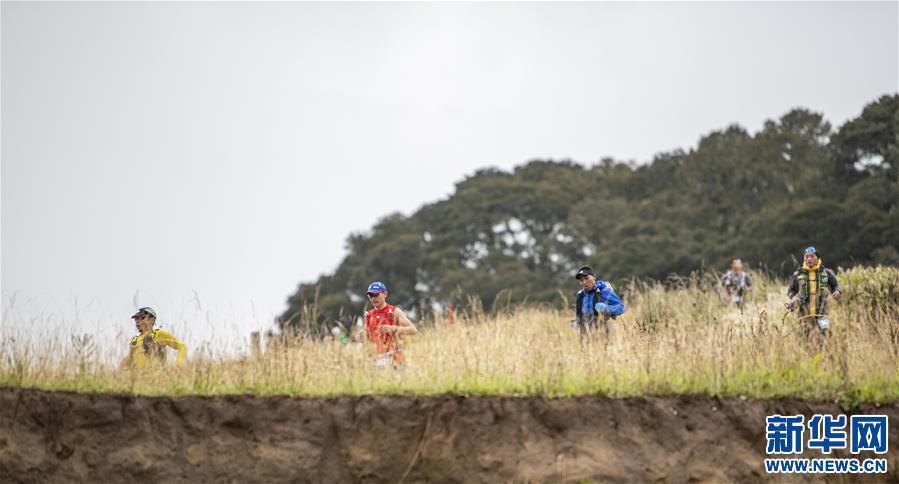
[(60, 437)]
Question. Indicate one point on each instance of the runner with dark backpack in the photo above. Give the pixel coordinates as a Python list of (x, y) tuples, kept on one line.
[(810, 288)]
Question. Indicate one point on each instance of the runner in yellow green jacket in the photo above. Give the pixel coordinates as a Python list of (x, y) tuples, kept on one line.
[(810, 287), (148, 348)]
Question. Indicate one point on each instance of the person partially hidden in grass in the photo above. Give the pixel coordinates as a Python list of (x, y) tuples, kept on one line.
[(735, 284), (148, 348), (385, 325), (810, 286), (596, 300)]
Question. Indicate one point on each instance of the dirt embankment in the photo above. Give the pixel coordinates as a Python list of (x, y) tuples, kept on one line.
[(60, 437)]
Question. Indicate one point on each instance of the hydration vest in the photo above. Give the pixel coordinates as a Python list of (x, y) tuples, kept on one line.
[(149, 347), (822, 290)]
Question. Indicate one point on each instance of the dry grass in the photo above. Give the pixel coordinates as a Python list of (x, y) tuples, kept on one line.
[(671, 341)]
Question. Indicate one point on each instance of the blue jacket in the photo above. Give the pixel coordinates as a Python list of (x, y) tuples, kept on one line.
[(602, 292)]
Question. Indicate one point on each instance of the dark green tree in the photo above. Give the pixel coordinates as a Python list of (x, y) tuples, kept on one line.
[(510, 237)]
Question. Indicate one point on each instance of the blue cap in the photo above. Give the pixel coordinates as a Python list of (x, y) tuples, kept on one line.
[(376, 287), (810, 250)]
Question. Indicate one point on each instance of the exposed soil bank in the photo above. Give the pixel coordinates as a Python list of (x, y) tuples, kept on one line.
[(60, 437)]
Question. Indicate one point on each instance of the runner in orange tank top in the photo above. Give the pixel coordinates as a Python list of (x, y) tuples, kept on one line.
[(385, 325)]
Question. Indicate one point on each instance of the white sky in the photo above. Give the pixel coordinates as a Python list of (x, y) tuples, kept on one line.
[(203, 158)]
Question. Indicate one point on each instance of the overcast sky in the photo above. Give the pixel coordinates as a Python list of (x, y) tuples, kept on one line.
[(207, 157)]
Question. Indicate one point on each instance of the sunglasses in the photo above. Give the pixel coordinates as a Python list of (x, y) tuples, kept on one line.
[(372, 294)]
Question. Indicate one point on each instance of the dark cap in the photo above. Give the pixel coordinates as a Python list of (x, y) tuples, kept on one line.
[(584, 271), (144, 312)]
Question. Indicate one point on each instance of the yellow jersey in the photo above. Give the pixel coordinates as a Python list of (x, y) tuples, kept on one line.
[(149, 348)]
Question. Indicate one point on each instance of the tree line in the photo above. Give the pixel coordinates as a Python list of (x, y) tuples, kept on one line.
[(521, 234)]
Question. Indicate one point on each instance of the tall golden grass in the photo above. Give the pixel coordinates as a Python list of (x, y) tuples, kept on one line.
[(672, 340)]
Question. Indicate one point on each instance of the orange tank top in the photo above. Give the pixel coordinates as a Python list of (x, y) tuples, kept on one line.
[(375, 318)]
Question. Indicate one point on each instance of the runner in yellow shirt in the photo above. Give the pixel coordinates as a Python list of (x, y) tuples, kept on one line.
[(148, 347)]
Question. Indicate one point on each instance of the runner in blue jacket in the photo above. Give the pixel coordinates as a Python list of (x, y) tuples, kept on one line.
[(596, 300)]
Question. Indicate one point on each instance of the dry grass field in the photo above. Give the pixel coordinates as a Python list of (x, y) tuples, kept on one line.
[(673, 340)]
